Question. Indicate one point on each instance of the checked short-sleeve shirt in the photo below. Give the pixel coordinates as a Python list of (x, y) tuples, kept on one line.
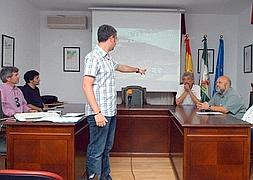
[(100, 65)]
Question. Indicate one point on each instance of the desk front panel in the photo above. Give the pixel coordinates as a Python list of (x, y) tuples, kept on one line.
[(41, 148), (142, 132), (207, 147), (220, 153)]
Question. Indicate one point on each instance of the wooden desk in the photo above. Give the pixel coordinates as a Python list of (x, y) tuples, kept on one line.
[(209, 146), (55, 147), (142, 131), (199, 146)]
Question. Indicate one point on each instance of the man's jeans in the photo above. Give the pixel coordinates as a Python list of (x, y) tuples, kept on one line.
[(101, 142)]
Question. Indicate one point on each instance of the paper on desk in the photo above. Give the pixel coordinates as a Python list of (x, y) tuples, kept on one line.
[(208, 113), (55, 111), (73, 114), (34, 116), (60, 119)]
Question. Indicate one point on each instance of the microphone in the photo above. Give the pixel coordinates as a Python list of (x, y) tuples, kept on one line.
[(129, 96)]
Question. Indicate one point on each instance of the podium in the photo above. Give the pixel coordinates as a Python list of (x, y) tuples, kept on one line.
[(134, 96)]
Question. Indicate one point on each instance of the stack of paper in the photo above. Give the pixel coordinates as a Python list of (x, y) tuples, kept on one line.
[(209, 113), (34, 116), (49, 116), (73, 114), (61, 119)]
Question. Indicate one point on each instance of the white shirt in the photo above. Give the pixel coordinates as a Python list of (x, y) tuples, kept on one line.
[(248, 116), (188, 100)]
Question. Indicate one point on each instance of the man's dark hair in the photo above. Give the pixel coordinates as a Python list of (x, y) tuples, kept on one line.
[(105, 31), (30, 75), (6, 72)]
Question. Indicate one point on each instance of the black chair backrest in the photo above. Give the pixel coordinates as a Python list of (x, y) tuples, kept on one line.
[(49, 99), (138, 96)]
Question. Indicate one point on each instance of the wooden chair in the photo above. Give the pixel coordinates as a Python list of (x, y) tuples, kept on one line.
[(28, 175)]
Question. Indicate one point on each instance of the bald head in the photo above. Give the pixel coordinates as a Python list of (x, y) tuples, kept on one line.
[(225, 79), (223, 83)]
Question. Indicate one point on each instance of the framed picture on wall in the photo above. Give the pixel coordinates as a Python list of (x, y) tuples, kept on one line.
[(210, 60), (8, 50), (71, 59), (247, 59)]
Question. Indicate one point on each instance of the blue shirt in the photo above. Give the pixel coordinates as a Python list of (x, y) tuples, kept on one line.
[(231, 100), (32, 96), (100, 65)]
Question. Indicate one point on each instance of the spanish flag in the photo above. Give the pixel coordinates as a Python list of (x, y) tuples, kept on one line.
[(188, 55)]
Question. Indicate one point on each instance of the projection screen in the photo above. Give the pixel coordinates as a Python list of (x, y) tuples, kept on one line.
[(146, 39)]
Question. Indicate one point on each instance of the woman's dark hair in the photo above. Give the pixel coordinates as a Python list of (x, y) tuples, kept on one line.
[(105, 31), (30, 75)]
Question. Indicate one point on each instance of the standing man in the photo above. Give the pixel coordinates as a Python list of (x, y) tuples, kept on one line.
[(100, 91), (31, 91), (188, 93), (13, 100), (225, 100)]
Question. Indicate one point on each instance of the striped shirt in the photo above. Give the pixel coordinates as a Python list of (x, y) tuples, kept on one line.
[(100, 65)]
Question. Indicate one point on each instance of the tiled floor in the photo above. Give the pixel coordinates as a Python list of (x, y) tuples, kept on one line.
[(123, 168)]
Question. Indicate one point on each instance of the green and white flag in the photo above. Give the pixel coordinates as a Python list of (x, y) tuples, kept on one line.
[(204, 74)]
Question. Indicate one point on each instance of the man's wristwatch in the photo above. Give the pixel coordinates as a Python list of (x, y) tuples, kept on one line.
[(97, 113)]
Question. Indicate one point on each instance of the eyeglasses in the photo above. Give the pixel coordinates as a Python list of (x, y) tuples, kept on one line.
[(17, 102)]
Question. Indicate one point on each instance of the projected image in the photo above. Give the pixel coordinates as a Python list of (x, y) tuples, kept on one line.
[(146, 44), (154, 49)]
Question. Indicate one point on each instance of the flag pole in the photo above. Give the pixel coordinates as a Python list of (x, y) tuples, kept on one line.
[(204, 74), (219, 70)]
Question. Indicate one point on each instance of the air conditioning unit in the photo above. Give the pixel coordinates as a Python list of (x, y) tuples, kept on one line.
[(67, 22)]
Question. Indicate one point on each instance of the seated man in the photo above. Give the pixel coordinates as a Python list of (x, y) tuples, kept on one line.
[(188, 93), (248, 116), (225, 100), (13, 100), (31, 91)]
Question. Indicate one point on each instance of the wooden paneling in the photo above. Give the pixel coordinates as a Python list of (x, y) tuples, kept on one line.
[(215, 147), (54, 147), (176, 148), (122, 140), (142, 131), (220, 155), (145, 136), (41, 149)]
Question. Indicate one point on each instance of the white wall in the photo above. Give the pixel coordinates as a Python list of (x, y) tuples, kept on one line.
[(66, 85), (245, 37), (55, 81), (213, 26), (21, 20), (42, 49)]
